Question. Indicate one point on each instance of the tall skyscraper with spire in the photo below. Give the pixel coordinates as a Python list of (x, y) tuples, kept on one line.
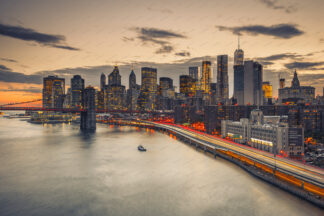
[(238, 55), (239, 75), (132, 92)]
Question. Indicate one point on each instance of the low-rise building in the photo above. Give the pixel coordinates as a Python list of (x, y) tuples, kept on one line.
[(267, 133)]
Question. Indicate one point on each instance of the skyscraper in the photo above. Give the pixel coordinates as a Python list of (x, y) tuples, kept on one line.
[(102, 81), (222, 78), (132, 92), (239, 75), (253, 83), (53, 92), (187, 85), (114, 77), (206, 77), (116, 93), (148, 88), (77, 86), (238, 55), (267, 93), (194, 72), (132, 80)]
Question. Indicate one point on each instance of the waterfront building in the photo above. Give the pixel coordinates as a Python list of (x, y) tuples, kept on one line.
[(222, 78), (77, 86), (88, 117), (206, 77), (253, 73), (147, 100), (296, 93), (67, 103), (266, 133), (53, 92)]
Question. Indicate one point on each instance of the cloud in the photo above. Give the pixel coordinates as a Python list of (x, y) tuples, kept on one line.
[(183, 53), (8, 60), (282, 31), (274, 4), (162, 10), (321, 40), (26, 34), (2, 67), (281, 57), (304, 65), (9, 76), (156, 36), (164, 49), (31, 89)]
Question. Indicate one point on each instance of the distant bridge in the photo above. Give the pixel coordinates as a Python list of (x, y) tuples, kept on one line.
[(77, 110)]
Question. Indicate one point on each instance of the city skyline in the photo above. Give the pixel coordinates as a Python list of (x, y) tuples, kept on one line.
[(58, 44)]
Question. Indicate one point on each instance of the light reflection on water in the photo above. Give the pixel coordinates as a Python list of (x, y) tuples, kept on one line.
[(58, 170)]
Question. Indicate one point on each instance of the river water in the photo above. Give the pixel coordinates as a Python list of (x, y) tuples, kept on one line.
[(57, 170)]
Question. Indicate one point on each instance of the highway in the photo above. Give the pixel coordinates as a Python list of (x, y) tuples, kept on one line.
[(299, 170)]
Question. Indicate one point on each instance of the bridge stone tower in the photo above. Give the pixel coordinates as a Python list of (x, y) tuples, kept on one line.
[(88, 116)]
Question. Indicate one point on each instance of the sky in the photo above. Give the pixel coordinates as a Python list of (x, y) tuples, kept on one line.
[(88, 37)]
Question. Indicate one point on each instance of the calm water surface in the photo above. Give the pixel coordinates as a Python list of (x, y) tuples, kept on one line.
[(57, 170)]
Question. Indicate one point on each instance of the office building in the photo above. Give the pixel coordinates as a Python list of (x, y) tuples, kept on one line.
[(77, 86), (115, 92), (194, 72), (133, 92), (114, 77), (222, 78), (187, 85), (239, 75), (266, 133), (296, 93), (102, 81), (53, 92), (253, 73), (147, 98), (267, 93), (206, 77)]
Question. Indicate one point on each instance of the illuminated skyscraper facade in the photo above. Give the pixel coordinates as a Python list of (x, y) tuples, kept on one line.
[(53, 92), (206, 77), (147, 100), (187, 85), (116, 93), (222, 78)]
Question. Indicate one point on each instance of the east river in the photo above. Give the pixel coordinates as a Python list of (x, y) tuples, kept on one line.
[(57, 170)]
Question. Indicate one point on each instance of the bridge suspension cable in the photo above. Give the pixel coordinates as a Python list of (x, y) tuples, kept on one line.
[(16, 103)]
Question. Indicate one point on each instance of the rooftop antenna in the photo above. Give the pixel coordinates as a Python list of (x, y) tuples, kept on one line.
[(238, 41)]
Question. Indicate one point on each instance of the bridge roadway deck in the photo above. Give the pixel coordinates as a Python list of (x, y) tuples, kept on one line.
[(297, 169)]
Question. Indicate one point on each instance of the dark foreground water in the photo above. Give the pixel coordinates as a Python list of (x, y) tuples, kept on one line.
[(56, 170)]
